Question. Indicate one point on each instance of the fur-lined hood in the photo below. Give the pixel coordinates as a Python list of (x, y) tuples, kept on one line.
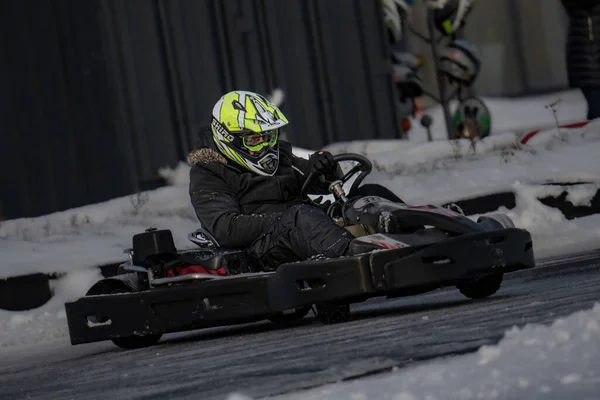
[(205, 155), (205, 151)]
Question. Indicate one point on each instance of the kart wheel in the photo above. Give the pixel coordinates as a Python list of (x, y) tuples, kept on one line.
[(290, 317), (480, 288), (333, 313), (136, 342)]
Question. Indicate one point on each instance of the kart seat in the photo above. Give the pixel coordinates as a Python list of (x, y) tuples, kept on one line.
[(212, 256)]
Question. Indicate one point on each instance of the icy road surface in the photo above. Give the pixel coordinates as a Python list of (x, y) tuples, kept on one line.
[(260, 360)]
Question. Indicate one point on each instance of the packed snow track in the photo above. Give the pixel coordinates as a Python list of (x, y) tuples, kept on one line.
[(262, 360)]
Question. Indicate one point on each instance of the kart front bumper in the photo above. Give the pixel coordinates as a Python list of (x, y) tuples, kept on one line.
[(248, 298), (404, 270)]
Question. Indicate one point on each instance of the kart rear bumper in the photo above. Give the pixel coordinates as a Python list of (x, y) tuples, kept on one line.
[(170, 309), (246, 298)]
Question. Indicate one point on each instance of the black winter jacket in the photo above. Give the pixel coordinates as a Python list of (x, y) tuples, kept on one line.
[(237, 206), (583, 42)]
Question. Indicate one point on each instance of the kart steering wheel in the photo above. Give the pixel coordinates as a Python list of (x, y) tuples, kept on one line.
[(364, 166)]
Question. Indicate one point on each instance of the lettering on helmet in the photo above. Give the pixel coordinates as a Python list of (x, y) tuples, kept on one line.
[(222, 131)]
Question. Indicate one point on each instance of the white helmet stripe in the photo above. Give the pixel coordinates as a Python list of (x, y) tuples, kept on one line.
[(242, 113), (217, 108)]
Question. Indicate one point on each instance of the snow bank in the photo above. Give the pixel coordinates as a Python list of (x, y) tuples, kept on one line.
[(559, 361), (400, 157), (92, 235), (552, 233), (444, 172), (440, 172)]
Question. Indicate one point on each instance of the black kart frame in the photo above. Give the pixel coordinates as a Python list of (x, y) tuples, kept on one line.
[(252, 297)]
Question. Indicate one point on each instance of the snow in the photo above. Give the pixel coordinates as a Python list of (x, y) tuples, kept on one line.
[(75, 241), (535, 361), (442, 171), (92, 235), (552, 233), (582, 195)]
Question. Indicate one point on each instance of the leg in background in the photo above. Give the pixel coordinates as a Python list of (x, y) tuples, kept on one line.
[(592, 97)]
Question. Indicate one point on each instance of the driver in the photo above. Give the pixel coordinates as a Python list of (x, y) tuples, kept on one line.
[(245, 186)]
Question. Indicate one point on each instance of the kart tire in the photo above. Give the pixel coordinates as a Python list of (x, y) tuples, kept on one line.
[(128, 342), (290, 318), (482, 287), (136, 342), (24, 292), (333, 313)]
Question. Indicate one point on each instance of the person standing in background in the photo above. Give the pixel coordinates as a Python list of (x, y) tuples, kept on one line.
[(583, 50)]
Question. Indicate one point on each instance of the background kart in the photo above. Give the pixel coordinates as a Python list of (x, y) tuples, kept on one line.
[(400, 250)]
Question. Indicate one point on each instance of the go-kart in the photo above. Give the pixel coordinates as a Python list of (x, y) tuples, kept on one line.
[(399, 250)]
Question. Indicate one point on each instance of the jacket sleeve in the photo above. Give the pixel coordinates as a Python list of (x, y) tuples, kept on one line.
[(218, 210)]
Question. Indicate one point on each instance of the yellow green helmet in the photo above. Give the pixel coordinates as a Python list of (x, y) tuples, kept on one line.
[(245, 127)]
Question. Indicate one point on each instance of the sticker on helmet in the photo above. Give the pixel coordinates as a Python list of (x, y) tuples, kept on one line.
[(262, 114), (238, 106)]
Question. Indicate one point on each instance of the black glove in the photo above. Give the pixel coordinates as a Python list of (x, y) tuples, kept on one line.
[(322, 162)]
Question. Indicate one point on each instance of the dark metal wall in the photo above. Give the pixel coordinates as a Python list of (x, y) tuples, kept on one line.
[(58, 141), (97, 95)]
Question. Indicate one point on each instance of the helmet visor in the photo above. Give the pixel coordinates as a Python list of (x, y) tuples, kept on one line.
[(255, 142)]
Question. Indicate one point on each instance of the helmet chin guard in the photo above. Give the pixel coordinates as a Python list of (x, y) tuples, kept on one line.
[(269, 163)]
